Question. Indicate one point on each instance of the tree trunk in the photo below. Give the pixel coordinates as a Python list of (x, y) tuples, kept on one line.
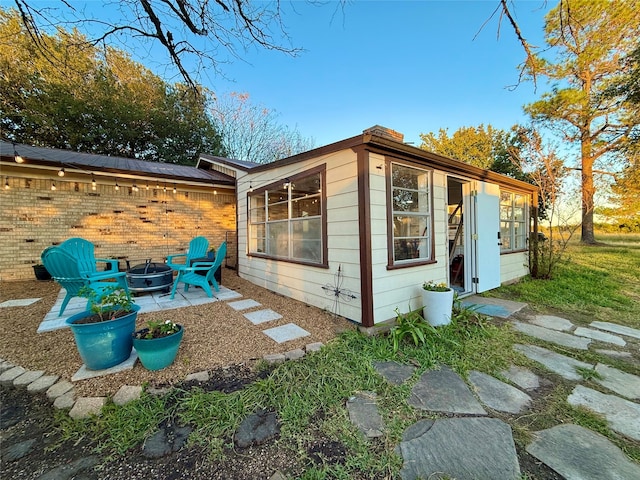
[(587, 192)]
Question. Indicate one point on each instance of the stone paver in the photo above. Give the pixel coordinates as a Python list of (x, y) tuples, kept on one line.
[(444, 391), (615, 328), (296, 354), (553, 336), (20, 302), (7, 377), (4, 366), (27, 377), (84, 373), (599, 336), (498, 395), (313, 347), (87, 406), (560, 364), (65, 401), (622, 415), (394, 372), (43, 383), (126, 394), (202, 376), (58, 389), (622, 383), (287, 332), (274, 358), (244, 304), (72, 470), (578, 453), (363, 413), (615, 353), (461, 448), (523, 377), (555, 323), (262, 316)]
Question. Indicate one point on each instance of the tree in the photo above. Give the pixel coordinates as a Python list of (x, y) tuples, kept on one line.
[(96, 101), (252, 133), (590, 39)]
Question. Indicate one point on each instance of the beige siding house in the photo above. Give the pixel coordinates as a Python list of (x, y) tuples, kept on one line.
[(357, 226)]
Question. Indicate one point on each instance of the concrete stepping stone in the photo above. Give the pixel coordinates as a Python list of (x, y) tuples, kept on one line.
[(201, 376), (622, 415), (461, 448), (73, 470), (553, 336), (7, 377), (615, 353), (444, 391), (599, 336), (42, 384), (577, 452), (295, 354), (394, 372), (84, 373), (256, 429), (622, 383), (557, 363), (262, 316), (554, 323), (287, 332), (59, 389), (313, 347), (522, 377), (615, 328), (84, 407), (20, 302), (169, 438), (65, 401), (16, 451), (126, 394), (4, 366), (226, 294), (364, 414), (244, 304), (494, 307), (498, 395)]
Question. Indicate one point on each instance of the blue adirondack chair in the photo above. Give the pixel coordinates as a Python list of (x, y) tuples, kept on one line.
[(189, 276), (65, 269), (198, 247), (83, 251)]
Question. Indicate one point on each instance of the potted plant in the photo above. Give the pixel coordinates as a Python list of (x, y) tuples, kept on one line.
[(103, 333), (41, 272), (211, 254), (437, 302), (157, 344)]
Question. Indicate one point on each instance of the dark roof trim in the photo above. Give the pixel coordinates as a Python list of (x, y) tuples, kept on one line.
[(41, 156), (230, 162)]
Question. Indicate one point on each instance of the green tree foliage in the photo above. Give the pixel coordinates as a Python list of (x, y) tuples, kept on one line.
[(96, 101), (590, 40)]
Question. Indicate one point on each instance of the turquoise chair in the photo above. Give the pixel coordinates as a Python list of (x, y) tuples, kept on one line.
[(198, 247), (83, 251), (188, 276), (65, 269)]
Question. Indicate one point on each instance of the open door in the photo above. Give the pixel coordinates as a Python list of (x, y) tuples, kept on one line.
[(486, 236)]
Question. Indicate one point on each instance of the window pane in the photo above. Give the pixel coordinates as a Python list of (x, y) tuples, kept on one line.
[(405, 177), (505, 235), (409, 225), (305, 207), (410, 248), (505, 198), (306, 186), (278, 211), (257, 239), (520, 235), (305, 241), (505, 212), (257, 215), (275, 196), (278, 239)]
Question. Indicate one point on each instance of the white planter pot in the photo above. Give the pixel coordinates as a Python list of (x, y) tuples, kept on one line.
[(437, 307)]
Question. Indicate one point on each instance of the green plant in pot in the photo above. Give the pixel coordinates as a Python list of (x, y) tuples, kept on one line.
[(103, 333), (437, 302), (157, 344)]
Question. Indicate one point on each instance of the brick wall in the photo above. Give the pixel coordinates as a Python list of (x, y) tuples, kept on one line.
[(121, 224)]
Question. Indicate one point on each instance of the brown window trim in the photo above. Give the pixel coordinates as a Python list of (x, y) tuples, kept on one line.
[(322, 169), (391, 265)]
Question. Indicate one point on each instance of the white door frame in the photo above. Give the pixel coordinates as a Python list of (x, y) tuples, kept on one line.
[(485, 236)]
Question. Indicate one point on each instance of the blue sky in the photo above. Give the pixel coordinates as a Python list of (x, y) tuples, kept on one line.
[(413, 66)]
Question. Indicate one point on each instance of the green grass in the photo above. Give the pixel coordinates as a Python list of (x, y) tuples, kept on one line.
[(309, 395)]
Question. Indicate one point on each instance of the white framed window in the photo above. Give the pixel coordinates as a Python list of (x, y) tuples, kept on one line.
[(411, 214), (287, 221), (514, 214)]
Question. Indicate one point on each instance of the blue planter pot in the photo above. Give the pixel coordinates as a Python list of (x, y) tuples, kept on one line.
[(158, 353), (104, 344)]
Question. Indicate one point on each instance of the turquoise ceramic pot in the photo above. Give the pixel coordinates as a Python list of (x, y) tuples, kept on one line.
[(104, 344), (158, 353)]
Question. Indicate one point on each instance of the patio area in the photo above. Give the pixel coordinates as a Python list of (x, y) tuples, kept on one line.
[(235, 327)]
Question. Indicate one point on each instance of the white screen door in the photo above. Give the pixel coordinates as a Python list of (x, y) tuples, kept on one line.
[(485, 237)]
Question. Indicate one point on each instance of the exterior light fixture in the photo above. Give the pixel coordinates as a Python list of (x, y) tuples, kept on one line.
[(134, 187), (18, 158), (6, 184), (117, 187), (53, 186), (93, 183), (215, 192), (147, 185), (61, 172), (174, 188), (165, 188)]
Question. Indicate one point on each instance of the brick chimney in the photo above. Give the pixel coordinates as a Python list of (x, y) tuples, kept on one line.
[(385, 132)]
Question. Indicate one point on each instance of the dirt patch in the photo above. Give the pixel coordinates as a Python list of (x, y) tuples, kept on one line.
[(215, 335)]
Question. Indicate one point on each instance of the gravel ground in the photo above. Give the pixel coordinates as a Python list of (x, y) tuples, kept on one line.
[(215, 335)]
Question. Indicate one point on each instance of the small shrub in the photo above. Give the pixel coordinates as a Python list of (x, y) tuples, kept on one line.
[(410, 325)]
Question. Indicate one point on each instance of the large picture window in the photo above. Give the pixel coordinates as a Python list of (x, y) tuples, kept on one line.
[(513, 221), (411, 213), (286, 220)]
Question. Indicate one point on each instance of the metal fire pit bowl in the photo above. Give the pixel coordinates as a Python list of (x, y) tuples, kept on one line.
[(150, 277)]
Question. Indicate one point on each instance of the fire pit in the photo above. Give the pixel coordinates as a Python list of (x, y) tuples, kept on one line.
[(149, 277)]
